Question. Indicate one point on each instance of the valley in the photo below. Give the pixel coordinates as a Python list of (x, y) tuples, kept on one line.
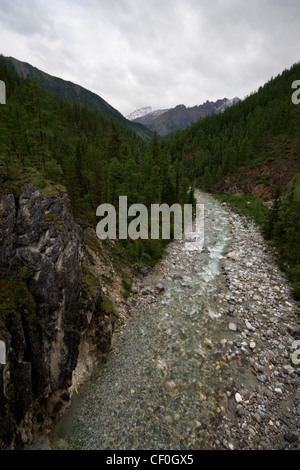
[(174, 349), (204, 360)]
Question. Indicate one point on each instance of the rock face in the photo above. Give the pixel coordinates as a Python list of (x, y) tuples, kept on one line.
[(49, 300), (167, 121)]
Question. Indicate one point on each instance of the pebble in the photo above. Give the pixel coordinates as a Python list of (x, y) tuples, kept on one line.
[(169, 419), (291, 436), (170, 386), (208, 343), (249, 326), (238, 397)]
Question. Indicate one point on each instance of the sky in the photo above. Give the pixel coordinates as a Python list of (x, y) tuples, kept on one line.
[(158, 53)]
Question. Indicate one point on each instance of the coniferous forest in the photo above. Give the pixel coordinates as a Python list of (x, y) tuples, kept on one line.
[(58, 146), (149, 228), (61, 287), (254, 144), (63, 147)]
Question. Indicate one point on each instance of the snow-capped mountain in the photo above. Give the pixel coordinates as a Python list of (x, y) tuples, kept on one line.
[(138, 113), (226, 103), (145, 115), (166, 121)]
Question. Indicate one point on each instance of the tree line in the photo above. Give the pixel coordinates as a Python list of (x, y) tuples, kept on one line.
[(93, 157), (251, 134)]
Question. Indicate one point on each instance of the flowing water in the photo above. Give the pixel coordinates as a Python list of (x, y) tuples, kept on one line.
[(163, 384)]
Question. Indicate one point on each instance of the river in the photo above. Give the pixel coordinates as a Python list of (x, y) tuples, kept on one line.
[(164, 383)]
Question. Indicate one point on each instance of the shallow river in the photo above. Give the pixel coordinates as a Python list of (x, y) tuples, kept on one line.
[(164, 385)]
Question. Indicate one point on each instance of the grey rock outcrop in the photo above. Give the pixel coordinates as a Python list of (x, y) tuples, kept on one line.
[(52, 300)]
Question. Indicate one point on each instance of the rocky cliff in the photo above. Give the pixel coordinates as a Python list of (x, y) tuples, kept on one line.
[(51, 314)]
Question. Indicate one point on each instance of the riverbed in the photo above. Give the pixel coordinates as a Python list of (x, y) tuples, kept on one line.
[(204, 355)]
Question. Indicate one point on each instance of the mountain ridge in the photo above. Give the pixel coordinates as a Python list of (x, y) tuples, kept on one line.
[(167, 121), (143, 121), (74, 93), (145, 115)]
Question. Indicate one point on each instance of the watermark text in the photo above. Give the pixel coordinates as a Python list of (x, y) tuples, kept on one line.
[(2, 92), (2, 353), (296, 94), (166, 222), (295, 356)]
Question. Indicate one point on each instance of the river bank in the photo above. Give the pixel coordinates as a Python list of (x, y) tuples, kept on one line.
[(204, 362), (264, 406), (262, 397)]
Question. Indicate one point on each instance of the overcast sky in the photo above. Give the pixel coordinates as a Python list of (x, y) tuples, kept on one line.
[(157, 53)]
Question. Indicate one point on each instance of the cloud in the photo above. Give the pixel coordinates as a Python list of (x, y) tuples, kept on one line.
[(159, 53), (25, 18)]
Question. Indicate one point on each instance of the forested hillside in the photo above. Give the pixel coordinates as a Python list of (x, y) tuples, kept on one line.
[(252, 151), (54, 145), (75, 94)]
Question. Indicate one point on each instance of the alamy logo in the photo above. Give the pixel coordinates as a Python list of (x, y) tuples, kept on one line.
[(295, 356), (2, 353), (296, 94), (2, 92), (133, 222)]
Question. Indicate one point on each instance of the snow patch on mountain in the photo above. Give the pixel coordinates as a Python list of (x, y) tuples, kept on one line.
[(146, 113), (138, 113), (226, 103)]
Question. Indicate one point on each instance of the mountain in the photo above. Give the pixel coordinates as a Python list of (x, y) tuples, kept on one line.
[(143, 121), (145, 115), (166, 121), (138, 113), (73, 93)]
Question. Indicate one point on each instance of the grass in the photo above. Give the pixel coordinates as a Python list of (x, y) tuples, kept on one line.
[(107, 306), (262, 179), (127, 285), (89, 280), (53, 220), (251, 207)]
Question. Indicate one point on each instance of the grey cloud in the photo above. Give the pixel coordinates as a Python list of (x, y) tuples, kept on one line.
[(25, 17), (156, 52)]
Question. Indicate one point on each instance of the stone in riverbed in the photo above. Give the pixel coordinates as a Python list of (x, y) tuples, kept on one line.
[(290, 436), (169, 419), (170, 386), (159, 287), (232, 326), (295, 332), (249, 326), (146, 291), (208, 343), (262, 378), (238, 397)]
